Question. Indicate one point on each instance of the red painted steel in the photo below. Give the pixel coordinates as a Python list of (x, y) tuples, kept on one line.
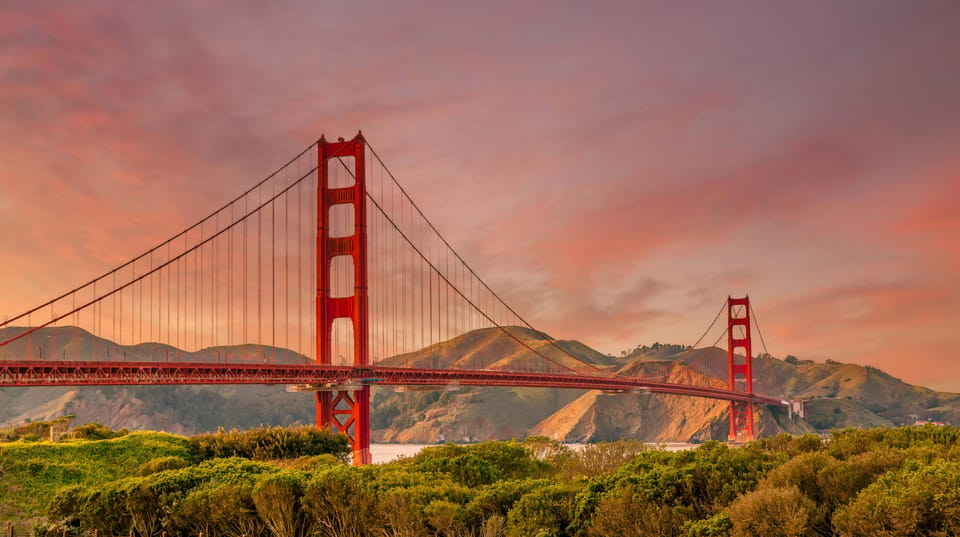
[(331, 377), (740, 374), (346, 411)]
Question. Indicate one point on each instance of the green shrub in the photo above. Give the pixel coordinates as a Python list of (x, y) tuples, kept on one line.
[(622, 512), (544, 512), (162, 464), (774, 512), (918, 499), (96, 431), (270, 443)]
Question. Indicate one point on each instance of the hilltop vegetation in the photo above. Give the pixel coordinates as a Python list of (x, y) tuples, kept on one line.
[(891, 482)]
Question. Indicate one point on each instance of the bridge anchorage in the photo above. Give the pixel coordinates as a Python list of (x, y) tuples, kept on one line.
[(328, 278)]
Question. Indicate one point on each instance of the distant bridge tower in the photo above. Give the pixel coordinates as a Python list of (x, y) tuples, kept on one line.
[(739, 370), (347, 410)]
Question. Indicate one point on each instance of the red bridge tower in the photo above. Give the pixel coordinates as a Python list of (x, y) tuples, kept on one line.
[(347, 410), (739, 370)]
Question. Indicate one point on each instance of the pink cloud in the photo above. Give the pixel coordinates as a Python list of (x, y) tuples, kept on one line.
[(612, 173)]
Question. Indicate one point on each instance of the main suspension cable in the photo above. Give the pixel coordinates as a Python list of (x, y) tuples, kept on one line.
[(553, 342), (769, 357), (169, 261), (159, 246)]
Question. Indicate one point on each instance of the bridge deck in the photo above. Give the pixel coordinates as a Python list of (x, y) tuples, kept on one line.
[(66, 373)]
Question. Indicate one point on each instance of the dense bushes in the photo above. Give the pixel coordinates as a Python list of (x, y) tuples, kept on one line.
[(270, 443), (33, 471), (162, 464), (889, 482), (96, 431), (918, 499), (773, 512)]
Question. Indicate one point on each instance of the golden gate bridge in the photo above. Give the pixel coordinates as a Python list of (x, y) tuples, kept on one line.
[(326, 276)]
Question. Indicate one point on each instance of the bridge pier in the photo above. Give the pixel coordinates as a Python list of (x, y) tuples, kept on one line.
[(348, 411)]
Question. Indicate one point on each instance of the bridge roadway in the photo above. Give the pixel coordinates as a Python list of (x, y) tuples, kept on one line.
[(80, 373)]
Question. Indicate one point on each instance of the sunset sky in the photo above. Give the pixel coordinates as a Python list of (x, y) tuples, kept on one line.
[(614, 169)]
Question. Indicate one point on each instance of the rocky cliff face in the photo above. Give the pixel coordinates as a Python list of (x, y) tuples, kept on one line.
[(468, 414), (597, 416), (175, 409)]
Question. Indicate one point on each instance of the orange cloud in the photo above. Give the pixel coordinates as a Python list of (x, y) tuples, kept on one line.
[(614, 174)]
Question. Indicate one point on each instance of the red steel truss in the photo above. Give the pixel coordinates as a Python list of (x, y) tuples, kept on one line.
[(332, 377), (740, 371)]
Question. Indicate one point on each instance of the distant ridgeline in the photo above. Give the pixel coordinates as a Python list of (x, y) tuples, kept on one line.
[(840, 395)]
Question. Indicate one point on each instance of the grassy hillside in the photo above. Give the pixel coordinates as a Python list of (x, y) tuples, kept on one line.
[(33, 471), (874, 390), (495, 348)]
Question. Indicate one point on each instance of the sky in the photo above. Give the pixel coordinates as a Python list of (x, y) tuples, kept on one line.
[(615, 170)]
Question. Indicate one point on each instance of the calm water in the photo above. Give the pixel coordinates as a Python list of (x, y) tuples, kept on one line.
[(387, 452)]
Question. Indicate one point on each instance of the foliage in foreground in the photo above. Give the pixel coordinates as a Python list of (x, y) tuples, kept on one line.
[(887, 482), (32, 471)]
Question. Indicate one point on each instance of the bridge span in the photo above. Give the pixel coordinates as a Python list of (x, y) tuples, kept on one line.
[(334, 378), (330, 259)]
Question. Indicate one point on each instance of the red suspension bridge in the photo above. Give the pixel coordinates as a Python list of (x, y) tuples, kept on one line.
[(326, 276)]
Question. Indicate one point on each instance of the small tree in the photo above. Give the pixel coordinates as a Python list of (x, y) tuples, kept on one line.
[(773, 512), (96, 431), (236, 514), (340, 506), (597, 459), (622, 514), (277, 498), (144, 509), (547, 511)]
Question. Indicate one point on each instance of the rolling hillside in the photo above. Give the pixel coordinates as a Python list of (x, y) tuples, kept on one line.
[(841, 395)]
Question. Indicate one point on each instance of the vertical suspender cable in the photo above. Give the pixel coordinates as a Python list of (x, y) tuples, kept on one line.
[(273, 273), (246, 341), (300, 297), (230, 260), (178, 304), (196, 300), (97, 324), (286, 270), (215, 284), (151, 296), (213, 291), (259, 275)]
